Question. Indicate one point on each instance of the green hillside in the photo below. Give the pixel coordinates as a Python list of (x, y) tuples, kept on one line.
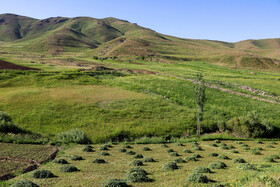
[(115, 38)]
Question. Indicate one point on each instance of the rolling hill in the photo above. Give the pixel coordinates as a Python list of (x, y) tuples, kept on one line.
[(115, 38)]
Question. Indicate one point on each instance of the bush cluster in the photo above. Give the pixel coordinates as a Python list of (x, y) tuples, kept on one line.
[(99, 161), (73, 136), (137, 175), (246, 166), (250, 126), (60, 161), (136, 163), (68, 168), (170, 166), (148, 159), (138, 156), (76, 157), (197, 178), (24, 183), (217, 165), (114, 183), (239, 160), (201, 169), (42, 174)]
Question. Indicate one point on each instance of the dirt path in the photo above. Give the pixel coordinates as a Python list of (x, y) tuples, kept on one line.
[(225, 90)]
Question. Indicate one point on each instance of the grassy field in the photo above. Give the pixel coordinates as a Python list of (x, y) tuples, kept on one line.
[(117, 164), (106, 104)]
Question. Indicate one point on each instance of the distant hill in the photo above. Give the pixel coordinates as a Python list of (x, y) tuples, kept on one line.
[(111, 37)]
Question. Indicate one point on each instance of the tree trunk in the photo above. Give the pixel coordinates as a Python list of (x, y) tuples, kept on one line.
[(198, 121)]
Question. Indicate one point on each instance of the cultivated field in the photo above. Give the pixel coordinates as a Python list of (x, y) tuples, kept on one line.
[(18, 158), (118, 163)]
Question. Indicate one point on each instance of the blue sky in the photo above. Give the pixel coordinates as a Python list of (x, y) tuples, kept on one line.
[(225, 20)]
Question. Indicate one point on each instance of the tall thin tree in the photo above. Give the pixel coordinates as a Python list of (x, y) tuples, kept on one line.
[(200, 99)]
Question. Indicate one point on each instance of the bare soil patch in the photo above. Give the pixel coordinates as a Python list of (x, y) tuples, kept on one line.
[(10, 66)]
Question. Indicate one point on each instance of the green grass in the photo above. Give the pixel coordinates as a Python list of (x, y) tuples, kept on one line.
[(107, 105), (117, 165)]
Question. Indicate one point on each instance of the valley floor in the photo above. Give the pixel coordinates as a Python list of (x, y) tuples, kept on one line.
[(118, 163)]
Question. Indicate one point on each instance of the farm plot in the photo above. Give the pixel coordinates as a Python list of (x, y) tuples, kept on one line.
[(204, 163), (16, 158)]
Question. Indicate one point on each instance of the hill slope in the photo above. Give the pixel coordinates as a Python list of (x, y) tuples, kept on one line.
[(111, 37)]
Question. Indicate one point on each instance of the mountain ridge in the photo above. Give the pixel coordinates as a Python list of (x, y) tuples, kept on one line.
[(115, 38)]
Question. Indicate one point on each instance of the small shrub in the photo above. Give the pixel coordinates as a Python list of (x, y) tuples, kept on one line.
[(190, 159), (114, 183), (99, 161), (197, 178), (179, 144), (246, 148), (73, 136), (259, 142), (130, 153), (127, 147), (103, 148), (258, 148), (222, 144), (273, 143), (196, 156), (76, 157), (138, 170), (42, 174), (246, 166), (60, 161), (217, 165), (107, 145), (255, 152), (213, 154), (68, 168), (270, 146), (217, 141), (234, 151), (180, 160), (136, 163), (213, 145), (244, 145), (148, 159), (138, 156), (137, 176), (239, 160), (104, 154), (146, 149), (231, 147), (24, 183), (194, 143), (164, 146), (223, 157), (170, 166), (274, 156), (169, 150), (187, 151), (238, 142), (268, 159), (197, 148), (87, 149), (173, 154), (122, 150), (224, 147), (201, 169)]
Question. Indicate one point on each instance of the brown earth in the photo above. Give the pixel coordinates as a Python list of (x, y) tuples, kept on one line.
[(30, 163), (10, 66)]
